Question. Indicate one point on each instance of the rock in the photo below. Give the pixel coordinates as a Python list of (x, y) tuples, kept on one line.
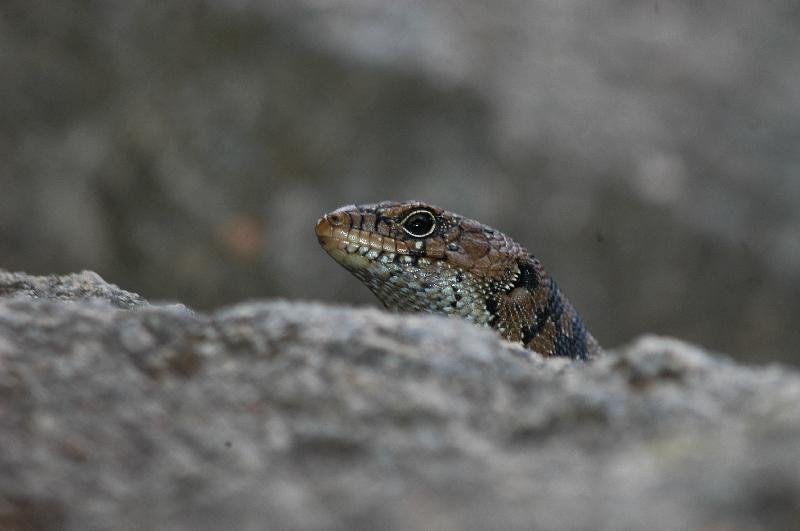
[(288, 415), (85, 285)]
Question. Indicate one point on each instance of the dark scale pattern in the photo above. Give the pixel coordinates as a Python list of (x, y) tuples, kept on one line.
[(555, 302), (455, 266), (527, 277)]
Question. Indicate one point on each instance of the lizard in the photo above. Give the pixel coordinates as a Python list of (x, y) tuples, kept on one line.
[(417, 257)]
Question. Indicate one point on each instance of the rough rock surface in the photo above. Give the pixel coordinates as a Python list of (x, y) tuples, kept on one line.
[(279, 415), (83, 286)]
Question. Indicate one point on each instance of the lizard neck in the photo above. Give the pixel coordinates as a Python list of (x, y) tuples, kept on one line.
[(536, 313)]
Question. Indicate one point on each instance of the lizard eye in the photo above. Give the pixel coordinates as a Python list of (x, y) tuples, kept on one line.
[(419, 223)]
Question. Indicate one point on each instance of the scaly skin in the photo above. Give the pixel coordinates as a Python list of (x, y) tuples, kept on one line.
[(420, 258)]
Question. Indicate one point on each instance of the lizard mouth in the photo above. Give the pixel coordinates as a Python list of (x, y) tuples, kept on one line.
[(354, 247)]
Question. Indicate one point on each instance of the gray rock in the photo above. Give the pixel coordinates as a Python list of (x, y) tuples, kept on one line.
[(281, 415), (86, 285)]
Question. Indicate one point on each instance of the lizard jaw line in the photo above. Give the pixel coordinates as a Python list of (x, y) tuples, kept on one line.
[(356, 248), (354, 240)]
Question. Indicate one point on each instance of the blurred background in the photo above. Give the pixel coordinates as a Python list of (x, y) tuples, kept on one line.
[(647, 152)]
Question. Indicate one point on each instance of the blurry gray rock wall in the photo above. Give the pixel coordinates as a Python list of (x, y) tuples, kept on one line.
[(647, 152)]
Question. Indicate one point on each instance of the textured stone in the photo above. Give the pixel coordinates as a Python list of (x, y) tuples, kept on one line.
[(286, 415), (86, 285)]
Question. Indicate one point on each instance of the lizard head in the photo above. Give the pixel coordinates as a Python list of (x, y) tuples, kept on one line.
[(419, 257)]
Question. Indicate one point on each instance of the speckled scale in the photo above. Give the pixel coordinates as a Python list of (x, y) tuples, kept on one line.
[(455, 266)]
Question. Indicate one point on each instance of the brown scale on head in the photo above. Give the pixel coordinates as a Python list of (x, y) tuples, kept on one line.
[(418, 257)]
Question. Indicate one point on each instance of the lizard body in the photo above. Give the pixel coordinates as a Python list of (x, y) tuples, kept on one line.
[(420, 258)]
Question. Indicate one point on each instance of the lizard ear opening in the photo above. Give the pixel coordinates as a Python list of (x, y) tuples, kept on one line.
[(419, 223)]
